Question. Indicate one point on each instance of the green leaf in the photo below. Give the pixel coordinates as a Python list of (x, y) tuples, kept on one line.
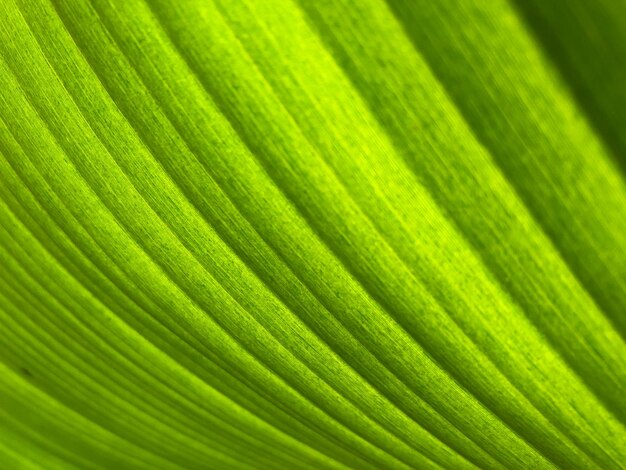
[(312, 234)]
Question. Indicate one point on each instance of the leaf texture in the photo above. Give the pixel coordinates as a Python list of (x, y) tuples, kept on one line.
[(312, 234)]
